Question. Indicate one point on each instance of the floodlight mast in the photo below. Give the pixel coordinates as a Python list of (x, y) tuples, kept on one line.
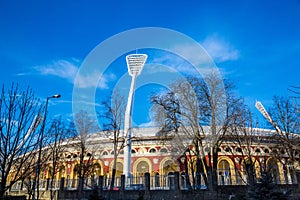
[(263, 111), (135, 64)]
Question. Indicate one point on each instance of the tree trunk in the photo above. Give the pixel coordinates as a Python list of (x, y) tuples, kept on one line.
[(214, 169), (187, 177), (113, 176), (2, 188), (114, 170)]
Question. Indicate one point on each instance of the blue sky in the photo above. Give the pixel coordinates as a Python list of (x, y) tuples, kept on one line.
[(44, 43)]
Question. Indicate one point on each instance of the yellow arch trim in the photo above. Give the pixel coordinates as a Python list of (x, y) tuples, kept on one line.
[(232, 167), (163, 161), (135, 164), (101, 165), (256, 166)]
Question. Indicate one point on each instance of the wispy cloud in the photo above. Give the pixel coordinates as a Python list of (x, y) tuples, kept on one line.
[(219, 49), (95, 80), (62, 68), (216, 50), (68, 70)]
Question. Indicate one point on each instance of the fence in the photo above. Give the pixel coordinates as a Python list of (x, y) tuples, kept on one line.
[(156, 187), (157, 182)]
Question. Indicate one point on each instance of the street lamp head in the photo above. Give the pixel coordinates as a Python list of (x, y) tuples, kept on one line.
[(56, 96)]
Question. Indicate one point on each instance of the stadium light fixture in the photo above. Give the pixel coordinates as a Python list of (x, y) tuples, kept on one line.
[(135, 64)]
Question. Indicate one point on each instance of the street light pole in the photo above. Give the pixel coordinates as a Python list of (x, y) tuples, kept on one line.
[(35, 184)]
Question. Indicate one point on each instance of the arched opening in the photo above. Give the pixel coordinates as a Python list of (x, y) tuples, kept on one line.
[(290, 173), (272, 168), (164, 150), (224, 173), (119, 172), (141, 168), (152, 150), (119, 169), (61, 172), (156, 179), (251, 170), (170, 166)]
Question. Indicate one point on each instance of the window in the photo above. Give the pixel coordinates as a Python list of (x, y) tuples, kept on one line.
[(267, 151), (227, 149), (163, 150), (239, 150), (224, 175), (175, 150), (152, 150), (105, 153)]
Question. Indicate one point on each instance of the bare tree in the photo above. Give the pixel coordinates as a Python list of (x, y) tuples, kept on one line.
[(242, 136), (295, 97), (286, 121), (19, 122), (113, 121), (57, 134), (82, 140), (202, 114), (167, 115), (285, 118)]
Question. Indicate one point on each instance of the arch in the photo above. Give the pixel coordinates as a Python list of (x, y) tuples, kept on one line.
[(164, 150), (168, 165), (272, 167), (89, 154), (142, 150), (75, 170), (97, 169), (246, 166), (50, 168), (119, 168), (155, 181), (152, 150), (267, 150), (141, 166), (227, 149), (226, 172), (258, 150), (238, 150), (133, 151), (291, 172)]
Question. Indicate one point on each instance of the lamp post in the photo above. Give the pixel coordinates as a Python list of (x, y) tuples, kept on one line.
[(38, 166)]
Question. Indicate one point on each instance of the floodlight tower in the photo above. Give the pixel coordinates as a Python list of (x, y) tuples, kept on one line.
[(263, 111), (135, 64)]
